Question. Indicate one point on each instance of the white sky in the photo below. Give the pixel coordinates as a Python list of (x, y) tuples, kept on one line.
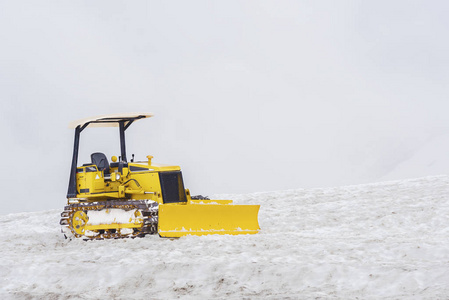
[(247, 95)]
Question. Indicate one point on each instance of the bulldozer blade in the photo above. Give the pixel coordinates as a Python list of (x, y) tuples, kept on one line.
[(176, 220)]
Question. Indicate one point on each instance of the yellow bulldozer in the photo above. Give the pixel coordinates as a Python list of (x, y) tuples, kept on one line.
[(135, 198)]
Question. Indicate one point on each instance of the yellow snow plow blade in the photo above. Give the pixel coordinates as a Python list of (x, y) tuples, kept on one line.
[(177, 220)]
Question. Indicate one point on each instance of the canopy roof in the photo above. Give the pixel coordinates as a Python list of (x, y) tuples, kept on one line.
[(109, 120)]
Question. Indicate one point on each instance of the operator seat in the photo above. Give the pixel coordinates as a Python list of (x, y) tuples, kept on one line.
[(100, 160)]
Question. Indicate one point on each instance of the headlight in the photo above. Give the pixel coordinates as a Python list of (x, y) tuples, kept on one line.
[(117, 176)]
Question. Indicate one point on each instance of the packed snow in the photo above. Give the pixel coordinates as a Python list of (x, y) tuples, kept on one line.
[(113, 215), (378, 241)]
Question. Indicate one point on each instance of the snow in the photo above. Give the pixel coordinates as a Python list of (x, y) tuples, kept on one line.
[(113, 215), (431, 158), (385, 240)]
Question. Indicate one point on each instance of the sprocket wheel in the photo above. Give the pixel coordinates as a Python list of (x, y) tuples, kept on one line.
[(79, 221)]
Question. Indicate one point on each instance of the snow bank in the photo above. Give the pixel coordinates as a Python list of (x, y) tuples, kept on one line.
[(385, 240)]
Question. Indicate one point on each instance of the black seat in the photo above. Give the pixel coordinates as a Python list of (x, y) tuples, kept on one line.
[(100, 160)]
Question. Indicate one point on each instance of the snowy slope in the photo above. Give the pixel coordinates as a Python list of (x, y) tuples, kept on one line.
[(429, 159), (385, 240)]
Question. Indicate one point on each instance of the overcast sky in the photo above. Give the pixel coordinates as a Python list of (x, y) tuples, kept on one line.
[(248, 95)]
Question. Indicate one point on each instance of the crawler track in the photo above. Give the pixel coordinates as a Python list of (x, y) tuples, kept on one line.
[(148, 209)]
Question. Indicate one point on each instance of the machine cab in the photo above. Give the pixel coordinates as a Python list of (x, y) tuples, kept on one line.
[(101, 180)]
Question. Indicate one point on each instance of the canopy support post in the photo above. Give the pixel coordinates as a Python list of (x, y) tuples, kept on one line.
[(122, 140), (71, 193)]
